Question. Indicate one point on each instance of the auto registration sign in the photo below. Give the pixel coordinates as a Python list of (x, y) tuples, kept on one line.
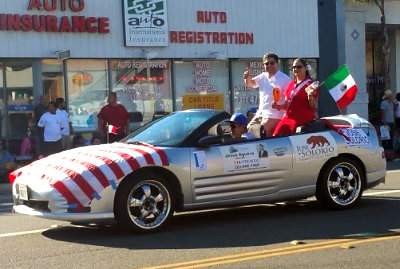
[(23, 192)]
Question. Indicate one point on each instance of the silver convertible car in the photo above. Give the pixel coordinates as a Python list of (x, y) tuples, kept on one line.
[(188, 160)]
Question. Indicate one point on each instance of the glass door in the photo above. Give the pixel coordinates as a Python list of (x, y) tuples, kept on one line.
[(53, 79)]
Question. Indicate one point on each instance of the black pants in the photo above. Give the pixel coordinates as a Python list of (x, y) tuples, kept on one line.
[(50, 147), (388, 144)]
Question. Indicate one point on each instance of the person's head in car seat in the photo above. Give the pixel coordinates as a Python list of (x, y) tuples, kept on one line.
[(238, 123)]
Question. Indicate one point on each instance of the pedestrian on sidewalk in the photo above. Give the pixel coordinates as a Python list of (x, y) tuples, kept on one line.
[(113, 120), (52, 130)]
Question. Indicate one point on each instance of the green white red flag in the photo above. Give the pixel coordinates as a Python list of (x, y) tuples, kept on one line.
[(341, 86)]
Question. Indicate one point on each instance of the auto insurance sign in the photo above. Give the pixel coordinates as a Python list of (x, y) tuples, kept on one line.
[(145, 23)]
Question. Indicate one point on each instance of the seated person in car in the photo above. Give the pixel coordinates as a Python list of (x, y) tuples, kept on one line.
[(238, 123)]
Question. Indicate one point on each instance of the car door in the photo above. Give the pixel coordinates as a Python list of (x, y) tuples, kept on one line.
[(246, 170)]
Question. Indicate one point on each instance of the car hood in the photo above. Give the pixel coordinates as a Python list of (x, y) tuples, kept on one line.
[(81, 174)]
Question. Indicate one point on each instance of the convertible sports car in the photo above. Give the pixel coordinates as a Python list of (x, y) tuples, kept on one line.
[(188, 160)]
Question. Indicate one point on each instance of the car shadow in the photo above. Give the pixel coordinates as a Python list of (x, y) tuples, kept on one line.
[(246, 226)]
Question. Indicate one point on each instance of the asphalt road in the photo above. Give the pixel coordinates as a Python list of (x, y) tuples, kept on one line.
[(295, 235)]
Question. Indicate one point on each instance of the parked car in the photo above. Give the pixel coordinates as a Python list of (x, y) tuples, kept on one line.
[(187, 160)]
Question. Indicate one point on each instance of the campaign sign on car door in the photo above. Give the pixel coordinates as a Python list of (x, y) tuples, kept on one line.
[(244, 157), (313, 146), (355, 137)]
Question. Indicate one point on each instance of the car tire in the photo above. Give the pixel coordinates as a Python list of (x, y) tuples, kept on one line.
[(340, 184), (144, 203)]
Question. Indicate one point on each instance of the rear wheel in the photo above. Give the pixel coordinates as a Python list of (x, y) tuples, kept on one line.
[(340, 184), (144, 203)]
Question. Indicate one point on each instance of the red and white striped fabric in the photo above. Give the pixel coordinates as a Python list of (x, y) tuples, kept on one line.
[(80, 175)]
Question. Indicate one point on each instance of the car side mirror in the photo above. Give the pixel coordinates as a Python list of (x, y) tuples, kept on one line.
[(209, 140)]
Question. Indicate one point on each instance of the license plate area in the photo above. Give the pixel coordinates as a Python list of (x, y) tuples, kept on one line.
[(22, 191)]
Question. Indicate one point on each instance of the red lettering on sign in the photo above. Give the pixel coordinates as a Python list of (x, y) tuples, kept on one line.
[(223, 38), (173, 36), (104, 25), (34, 4), (181, 37), (211, 16), (76, 5), (200, 16), (39, 23), (51, 23), (63, 5), (13, 22), (200, 37), (91, 28), (50, 5), (26, 23), (65, 26), (3, 22), (223, 18), (78, 24), (215, 38)]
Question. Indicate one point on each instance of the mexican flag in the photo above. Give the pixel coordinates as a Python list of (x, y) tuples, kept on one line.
[(341, 87)]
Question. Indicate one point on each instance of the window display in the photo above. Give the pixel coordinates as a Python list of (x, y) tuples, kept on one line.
[(143, 87), (202, 84), (245, 98), (87, 92)]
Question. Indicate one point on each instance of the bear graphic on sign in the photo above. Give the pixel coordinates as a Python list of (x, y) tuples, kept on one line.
[(317, 141)]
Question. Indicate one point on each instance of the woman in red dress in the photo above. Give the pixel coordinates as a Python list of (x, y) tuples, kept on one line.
[(301, 101)]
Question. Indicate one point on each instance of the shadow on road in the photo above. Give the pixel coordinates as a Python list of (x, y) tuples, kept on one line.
[(249, 226)]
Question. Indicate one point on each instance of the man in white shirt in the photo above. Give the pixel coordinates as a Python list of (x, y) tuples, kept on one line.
[(64, 118), (270, 81), (52, 130)]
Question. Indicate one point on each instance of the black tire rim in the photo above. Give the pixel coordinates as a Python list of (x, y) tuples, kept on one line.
[(344, 184), (149, 204)]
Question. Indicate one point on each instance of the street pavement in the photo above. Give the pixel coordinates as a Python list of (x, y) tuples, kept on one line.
[(291, 235)]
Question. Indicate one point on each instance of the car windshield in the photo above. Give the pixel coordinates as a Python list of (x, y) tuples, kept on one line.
[(172, 129)]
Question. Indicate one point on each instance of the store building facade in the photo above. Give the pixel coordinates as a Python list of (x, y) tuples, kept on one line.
[(159, 56), (364, 51)]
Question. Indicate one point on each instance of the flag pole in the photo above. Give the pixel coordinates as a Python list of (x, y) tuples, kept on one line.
[(108, 134)]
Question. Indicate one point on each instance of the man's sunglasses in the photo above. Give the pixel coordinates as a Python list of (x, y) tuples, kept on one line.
[(269, 63)]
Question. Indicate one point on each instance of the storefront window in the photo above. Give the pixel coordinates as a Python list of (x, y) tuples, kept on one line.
[(143, 87), (87, 92), (19, 84), (2, 105), (245, 98), (53, 79), (202, 84)]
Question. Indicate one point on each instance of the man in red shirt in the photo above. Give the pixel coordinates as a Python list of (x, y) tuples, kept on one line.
[(113, 119)]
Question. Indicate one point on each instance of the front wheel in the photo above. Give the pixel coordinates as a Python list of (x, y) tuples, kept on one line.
[(340, 184), (144, 203)]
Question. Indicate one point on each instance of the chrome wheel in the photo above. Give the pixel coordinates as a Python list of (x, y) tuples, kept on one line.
[(344, 183), (148, 204)]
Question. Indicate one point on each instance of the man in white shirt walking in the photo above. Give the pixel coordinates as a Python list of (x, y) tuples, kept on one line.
[(52, 130), (271, 83), (64, 118)]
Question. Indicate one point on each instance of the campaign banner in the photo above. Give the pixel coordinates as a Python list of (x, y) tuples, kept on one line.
[(146, 23), (244, 157)]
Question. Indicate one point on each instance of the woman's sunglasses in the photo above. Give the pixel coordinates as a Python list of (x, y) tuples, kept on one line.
[(297, 67)]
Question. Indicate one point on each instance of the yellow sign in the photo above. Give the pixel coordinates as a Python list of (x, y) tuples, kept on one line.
[(212, 101)]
